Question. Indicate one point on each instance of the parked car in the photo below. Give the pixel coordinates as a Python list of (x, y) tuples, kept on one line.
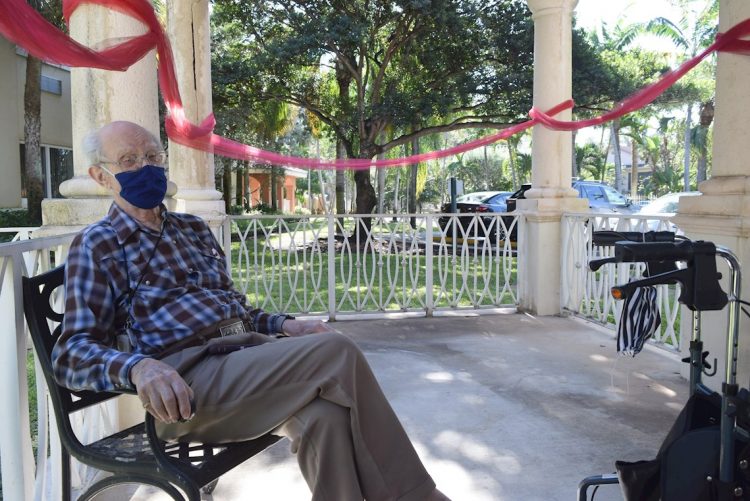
[(601, 197), (473, 203), (665, 205), (604, 198), (495, 200)]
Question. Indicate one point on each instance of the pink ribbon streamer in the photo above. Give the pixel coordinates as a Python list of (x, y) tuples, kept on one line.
[(21, 24)]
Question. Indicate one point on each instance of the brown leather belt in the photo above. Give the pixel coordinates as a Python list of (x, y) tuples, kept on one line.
[(224, 328)]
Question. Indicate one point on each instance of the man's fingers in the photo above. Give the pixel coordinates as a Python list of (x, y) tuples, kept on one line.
[(163, 392), (157, 409), (184, 396)]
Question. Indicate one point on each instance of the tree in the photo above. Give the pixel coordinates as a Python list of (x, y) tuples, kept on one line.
[(592, 162), (238, 116), (626, 72), (695, 31), (418, 68), (32, 128)]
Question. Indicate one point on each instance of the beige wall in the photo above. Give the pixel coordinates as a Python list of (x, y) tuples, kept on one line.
[(56, 118), (10, 188)]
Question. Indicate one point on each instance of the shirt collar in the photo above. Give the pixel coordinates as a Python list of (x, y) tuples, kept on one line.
[(126, 225)]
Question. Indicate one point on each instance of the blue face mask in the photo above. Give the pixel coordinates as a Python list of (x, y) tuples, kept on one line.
[(144, 188)]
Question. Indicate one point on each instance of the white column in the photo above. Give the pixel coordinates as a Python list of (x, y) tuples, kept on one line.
[(99, 97), (193, 171), (551, 192), (722, 213)]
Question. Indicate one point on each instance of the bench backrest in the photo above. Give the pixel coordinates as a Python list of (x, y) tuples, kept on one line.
[(39, 311)]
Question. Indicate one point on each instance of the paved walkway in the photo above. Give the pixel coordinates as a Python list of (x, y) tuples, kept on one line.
[(500, 407)]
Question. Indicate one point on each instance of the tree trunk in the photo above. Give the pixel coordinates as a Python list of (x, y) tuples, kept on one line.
[(396, 198), (634, 171), (246, 193), (706, 118), (414, 172), (381, 179), (32, 99), (574, 164), (226, 181), (340, 181), (274, 194), (615, 132), (687, 147), (512, 162), (239, 187)]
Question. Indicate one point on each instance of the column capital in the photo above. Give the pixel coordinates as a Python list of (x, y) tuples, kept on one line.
[(541, 8)]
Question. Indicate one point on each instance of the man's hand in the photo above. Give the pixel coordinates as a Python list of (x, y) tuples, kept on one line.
[(295, 328), (162, 390)]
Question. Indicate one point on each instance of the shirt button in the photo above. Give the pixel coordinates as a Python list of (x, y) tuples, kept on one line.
[(191, 270), (148, 282)]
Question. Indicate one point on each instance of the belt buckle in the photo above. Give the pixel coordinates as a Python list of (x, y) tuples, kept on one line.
[(232, 329)]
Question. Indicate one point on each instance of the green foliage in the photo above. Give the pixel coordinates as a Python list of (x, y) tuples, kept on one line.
[(407, 68), (592, 163), (664, 181), (263, 208), (14, 218)]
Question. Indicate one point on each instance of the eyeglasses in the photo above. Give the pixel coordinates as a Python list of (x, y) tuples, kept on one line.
[(133, 161)]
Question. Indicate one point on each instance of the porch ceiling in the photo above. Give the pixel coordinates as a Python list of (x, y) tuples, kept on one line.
[(500, 407)]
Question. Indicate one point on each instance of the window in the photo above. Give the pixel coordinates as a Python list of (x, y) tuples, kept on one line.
[(615, 196), (51, 85), (57, 166)]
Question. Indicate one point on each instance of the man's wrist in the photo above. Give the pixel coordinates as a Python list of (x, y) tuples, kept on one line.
[(283, 317)]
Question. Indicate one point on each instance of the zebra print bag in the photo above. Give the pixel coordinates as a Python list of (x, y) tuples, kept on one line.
[(639, 320)]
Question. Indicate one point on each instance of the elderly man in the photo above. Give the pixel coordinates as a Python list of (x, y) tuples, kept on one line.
[(150, 306)]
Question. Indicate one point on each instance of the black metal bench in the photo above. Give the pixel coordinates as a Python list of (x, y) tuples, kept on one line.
[(133, 455)]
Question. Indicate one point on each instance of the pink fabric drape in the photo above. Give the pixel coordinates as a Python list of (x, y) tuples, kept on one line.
[(25, 27)]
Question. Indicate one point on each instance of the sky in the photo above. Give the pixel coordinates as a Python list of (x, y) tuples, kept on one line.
[(591, 14)]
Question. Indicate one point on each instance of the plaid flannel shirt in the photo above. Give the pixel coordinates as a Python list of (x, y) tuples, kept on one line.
[(184, 289)]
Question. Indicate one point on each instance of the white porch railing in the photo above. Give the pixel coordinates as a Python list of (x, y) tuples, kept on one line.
[(404, 262), (20, 233), (587, 294), (23, 475)]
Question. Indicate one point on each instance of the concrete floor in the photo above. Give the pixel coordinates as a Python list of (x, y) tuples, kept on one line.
[(499, 407)]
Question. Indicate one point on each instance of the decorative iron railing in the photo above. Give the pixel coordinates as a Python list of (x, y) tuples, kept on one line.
[(343, 264), (587, 294)]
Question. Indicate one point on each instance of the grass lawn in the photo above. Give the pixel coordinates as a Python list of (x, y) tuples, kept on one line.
[(289, 271)]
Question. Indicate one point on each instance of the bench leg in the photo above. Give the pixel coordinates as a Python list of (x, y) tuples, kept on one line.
[(65, 472), (209, 487), (583, 486), (108, 482)]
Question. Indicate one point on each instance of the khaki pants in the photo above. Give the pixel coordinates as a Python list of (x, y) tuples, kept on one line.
[(319, 391)]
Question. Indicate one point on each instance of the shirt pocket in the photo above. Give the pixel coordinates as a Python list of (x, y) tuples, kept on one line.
[(156, 289), (212, 268)]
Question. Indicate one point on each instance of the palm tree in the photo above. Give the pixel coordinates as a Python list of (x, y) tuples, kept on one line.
[(592, 161), (699, 139), (695, 31)]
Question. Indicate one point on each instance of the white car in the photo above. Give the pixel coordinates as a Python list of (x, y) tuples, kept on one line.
[(664, 207)]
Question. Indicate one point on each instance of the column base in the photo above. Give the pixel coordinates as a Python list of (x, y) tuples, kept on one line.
[(210, 210), (541, 263)]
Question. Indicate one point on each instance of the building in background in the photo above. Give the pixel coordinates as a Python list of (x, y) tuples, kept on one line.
[(259, 184), (56, 140), (626, 158)]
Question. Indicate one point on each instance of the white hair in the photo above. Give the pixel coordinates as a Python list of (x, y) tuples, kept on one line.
[(92, 147)]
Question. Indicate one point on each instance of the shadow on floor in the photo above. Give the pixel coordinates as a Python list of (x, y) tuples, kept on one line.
[(499, 407)]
